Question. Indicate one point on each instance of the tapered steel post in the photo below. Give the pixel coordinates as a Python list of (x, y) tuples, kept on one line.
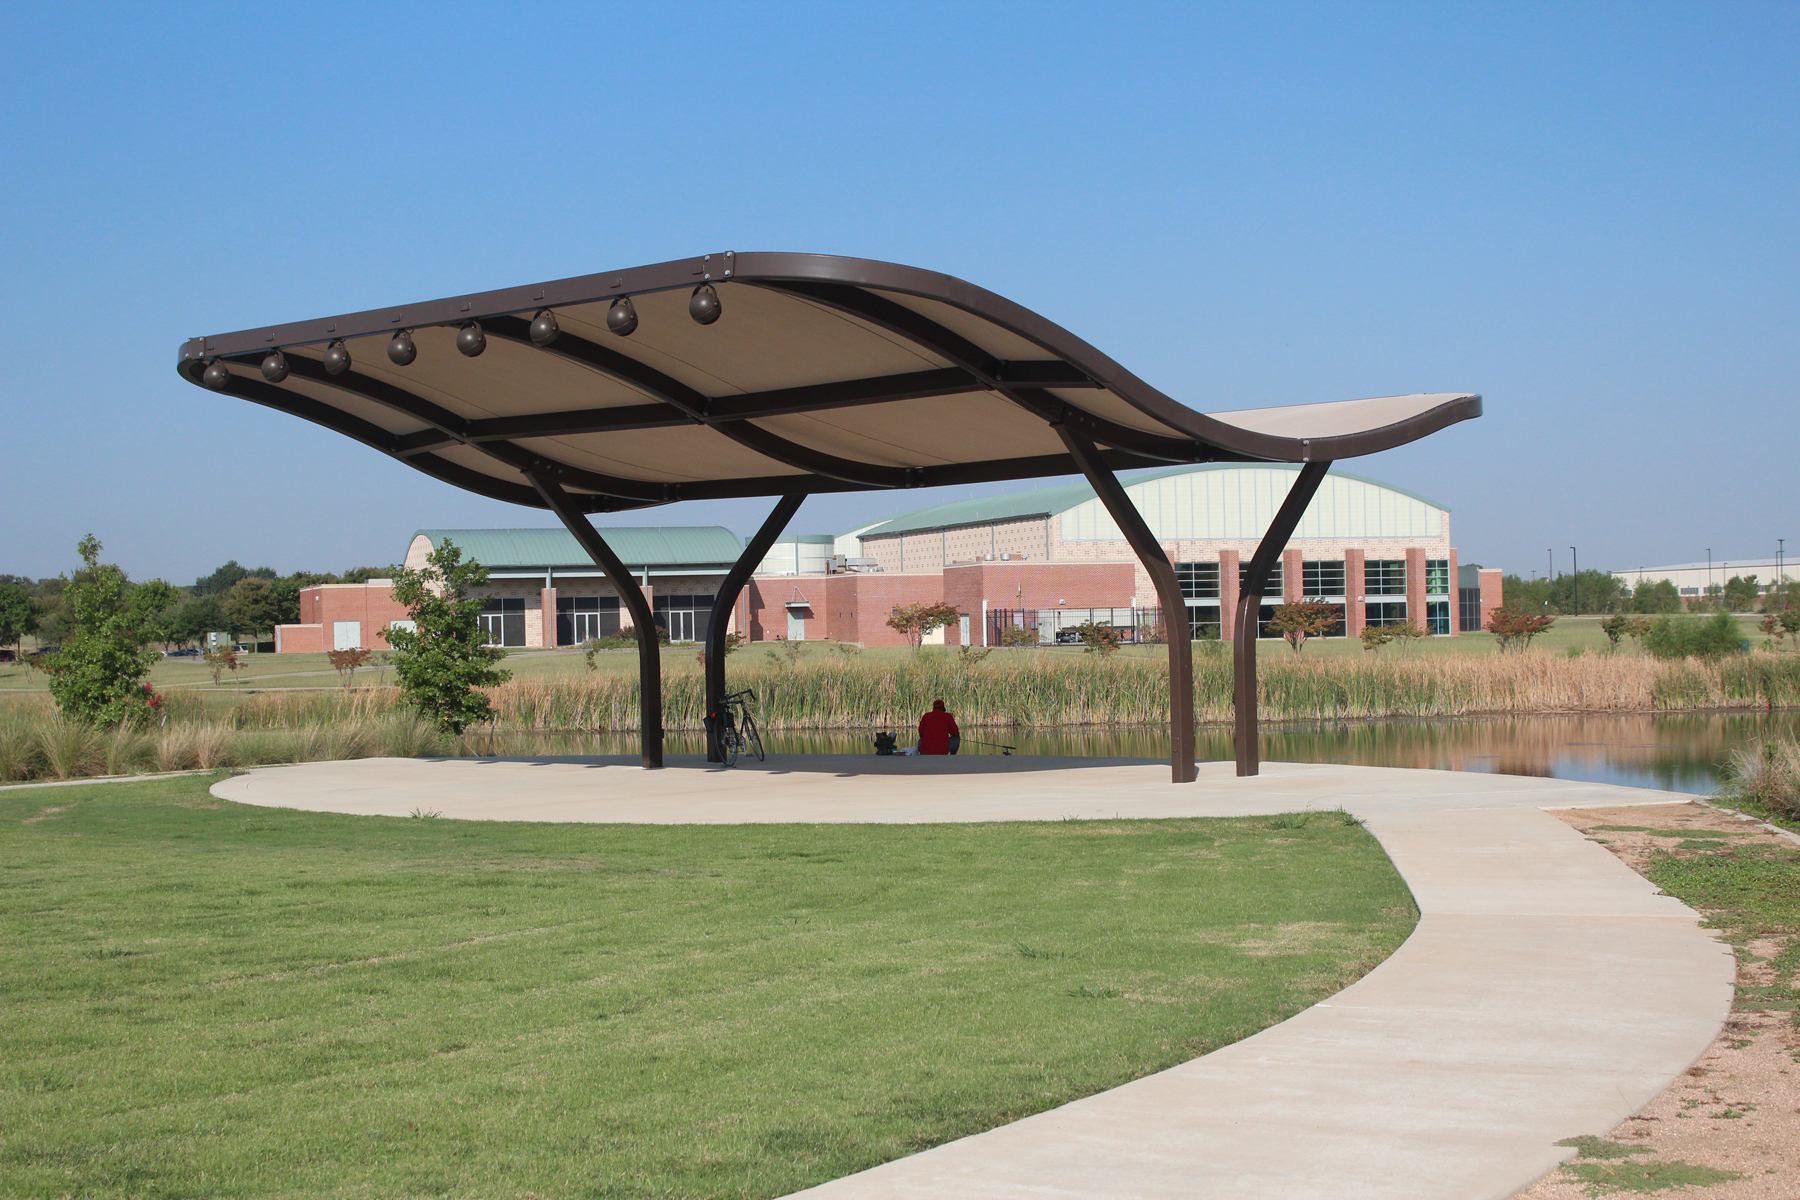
[(726, 600), (650, 730), (1243, 640), (1168, 593)]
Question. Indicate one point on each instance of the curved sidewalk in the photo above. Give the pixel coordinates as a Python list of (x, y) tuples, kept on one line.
[(1548, 990)]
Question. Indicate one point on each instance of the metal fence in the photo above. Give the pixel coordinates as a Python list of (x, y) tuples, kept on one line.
[(1057, 626)]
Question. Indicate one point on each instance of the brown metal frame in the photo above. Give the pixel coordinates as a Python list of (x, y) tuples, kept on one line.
[(1168, 593), (650, 735), (726, 600), (865, 290), (1249, 604)]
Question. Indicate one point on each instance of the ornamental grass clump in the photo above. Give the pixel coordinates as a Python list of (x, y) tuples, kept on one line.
[(1767, 774)]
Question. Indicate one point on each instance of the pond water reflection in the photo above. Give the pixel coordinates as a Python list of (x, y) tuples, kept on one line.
[(1679, 752)]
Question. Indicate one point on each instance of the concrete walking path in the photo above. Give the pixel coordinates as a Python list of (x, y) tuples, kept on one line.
[(1548, 990)]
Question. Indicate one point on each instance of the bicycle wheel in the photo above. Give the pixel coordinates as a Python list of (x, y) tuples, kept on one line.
[(728, 743), (750, 734)]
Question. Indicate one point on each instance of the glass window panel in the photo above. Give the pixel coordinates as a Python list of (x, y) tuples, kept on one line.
[(1324, 578), (1384, 577), (1199, 581), (1437, 577)]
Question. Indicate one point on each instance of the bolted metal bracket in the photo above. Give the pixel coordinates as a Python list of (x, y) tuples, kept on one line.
[(716, 268)]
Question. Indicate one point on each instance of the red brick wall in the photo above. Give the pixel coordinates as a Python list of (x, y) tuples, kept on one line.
[(1228, 594), (1290, 576), (299, 639), (372, 604), (1490, 593), (1415, 587), (1355, 615)]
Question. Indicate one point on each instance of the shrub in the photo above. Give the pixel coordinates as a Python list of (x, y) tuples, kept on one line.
[(1715, 637), (1767, 774), (1018, 636), (1098, 637), (1374, 637), (1514, 628)]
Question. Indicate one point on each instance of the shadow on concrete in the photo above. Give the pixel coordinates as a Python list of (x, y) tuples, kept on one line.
[(838, 764)]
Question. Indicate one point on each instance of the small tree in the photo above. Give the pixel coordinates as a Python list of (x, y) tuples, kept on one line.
[(345, 662), (1614, 628), (915, 622), (1374, 637), (1098, 637), (219, 662), (18, 614), (98, 674), (445, 658), (1304, 619), (1514, 629)]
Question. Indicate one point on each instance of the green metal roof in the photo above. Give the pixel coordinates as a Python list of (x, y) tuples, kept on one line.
[(804, 539), (1041, 502), (636, 546)]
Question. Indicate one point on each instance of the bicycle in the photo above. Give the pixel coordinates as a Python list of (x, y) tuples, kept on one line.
[(737, 728)]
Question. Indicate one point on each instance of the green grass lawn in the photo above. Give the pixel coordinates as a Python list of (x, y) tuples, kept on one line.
[(208, 999)]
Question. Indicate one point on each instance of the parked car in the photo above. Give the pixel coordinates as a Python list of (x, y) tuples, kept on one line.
[(189, 652), (8, 656)]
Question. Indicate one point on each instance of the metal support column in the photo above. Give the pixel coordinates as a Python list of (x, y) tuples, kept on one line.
[(1256, 578), (726, 600), (1168, 593), (650, 730)]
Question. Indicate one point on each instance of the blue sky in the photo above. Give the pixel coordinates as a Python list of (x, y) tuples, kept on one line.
[(1588, 213)]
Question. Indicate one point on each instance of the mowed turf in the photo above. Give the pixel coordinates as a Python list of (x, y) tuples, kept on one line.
[(207, 999)]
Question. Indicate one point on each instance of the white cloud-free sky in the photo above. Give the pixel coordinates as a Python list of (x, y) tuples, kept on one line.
[(1587, 213)]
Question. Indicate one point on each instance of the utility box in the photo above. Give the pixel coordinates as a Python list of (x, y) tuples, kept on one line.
[(218, 641)]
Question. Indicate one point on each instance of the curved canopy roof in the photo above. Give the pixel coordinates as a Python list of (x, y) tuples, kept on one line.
[(817, 373)]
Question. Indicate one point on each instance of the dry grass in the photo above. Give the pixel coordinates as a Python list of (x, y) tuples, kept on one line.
[(851, 692)]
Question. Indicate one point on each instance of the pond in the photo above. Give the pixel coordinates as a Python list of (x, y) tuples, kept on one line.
[(1678, 752)]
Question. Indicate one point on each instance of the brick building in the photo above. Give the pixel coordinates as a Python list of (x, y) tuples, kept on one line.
[(1044, 559), (1053, 557)]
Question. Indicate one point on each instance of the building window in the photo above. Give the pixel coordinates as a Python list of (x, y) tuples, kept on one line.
[(684, 618), (1203, 622), (503, 620), (1384, 577), (1437, 617), (1199, 580), (579, 618), (1319, 579), (1386, 612), (1272, 588), (1468, 609), (1437, 577)]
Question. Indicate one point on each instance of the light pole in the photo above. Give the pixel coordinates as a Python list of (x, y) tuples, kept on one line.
[(1709, 572), (1780, 569), (1575, 573)]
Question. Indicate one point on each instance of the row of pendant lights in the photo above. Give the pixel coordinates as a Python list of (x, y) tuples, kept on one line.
[(621, 319)]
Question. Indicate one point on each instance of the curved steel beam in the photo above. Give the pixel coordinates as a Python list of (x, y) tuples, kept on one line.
[(725, 601), (1249, 604)]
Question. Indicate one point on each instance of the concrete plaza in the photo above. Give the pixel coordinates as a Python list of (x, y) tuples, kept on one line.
[(1548, 991)]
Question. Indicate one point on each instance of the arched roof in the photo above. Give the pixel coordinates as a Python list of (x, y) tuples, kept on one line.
[(821, 374), (1075, 499)]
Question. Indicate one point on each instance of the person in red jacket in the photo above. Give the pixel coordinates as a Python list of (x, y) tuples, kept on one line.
[(936, 728)]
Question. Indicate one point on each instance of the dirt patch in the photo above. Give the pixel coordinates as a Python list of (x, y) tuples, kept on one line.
[(1730, 1128), (44, 814)]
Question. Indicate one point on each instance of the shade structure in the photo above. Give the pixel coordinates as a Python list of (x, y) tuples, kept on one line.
[(762, 374)]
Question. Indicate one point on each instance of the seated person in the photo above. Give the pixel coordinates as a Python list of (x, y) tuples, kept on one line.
[(936, 728)]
